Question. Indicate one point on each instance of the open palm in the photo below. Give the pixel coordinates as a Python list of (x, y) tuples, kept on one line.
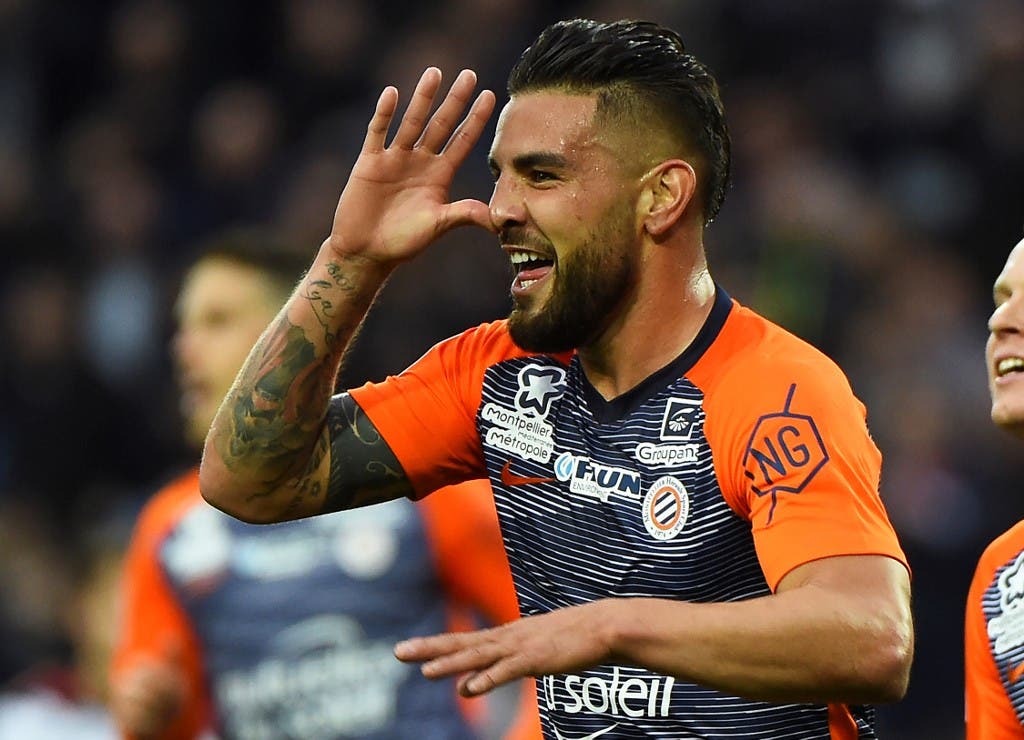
[(396, 200)]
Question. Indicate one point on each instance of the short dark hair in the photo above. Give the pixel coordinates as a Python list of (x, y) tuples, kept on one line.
[(260, 249), (650, 64)]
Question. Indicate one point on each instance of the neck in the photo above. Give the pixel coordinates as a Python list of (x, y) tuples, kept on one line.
[(672, 301)]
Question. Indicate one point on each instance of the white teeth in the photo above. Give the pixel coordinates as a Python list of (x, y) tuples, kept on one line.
[(1009, 365), (520, 257), (526, 283)]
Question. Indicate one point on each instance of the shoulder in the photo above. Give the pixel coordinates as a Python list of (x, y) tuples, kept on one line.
[(492, 334), (761, 345), (475, 350), (1003, 550), (490, 342), (169, 504), (754, 360)]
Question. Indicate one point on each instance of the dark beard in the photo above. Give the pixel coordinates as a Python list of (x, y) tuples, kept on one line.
[(588, 289)]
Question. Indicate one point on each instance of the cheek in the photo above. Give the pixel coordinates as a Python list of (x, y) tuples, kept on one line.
[(224, 360), (563, 210)]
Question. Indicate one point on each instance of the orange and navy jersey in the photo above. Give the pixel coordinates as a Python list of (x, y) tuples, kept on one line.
[(287, 631), (994, 641), (744, 458)]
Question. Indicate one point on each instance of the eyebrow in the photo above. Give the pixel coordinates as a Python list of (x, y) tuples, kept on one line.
[(532, 159)]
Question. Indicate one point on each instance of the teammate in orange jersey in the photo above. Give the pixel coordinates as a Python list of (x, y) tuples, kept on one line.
[(287, 632), (994, 635), (688, 493)]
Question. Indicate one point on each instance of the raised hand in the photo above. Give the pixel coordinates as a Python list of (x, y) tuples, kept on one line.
[(396, 200), (267, 455)]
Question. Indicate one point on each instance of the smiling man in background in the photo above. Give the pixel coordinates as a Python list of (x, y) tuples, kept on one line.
[(994, 635)]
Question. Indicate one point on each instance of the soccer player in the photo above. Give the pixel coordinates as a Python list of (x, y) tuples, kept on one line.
[(994, 635), (688, 493), (287, 631)]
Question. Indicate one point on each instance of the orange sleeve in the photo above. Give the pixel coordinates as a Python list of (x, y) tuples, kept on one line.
[(152, 623), (427, 414), (791, 449), (462, 526), (989, 714)]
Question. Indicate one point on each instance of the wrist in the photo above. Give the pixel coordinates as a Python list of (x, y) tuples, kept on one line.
[(337, 248), (610, 625), (352, 261)]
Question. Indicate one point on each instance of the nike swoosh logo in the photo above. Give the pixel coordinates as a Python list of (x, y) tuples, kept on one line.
[(509, 478), (1014, 674), (591, 736)]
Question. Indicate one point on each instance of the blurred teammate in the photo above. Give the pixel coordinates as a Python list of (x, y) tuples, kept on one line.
[(286, 631), (688, 493), (994, 636)]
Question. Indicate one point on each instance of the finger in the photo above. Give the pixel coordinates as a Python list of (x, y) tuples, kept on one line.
[(417, 649), (466, 212), (474, 658), (377, 130), (468, 133), (419, 109), (500, 673), (443, 122)]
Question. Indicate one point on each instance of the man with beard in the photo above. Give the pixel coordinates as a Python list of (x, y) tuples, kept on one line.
[(287, 631), (688, 494), (994, 635)]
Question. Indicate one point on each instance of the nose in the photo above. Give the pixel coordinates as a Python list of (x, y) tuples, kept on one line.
[(1008, 318), (507, 206)]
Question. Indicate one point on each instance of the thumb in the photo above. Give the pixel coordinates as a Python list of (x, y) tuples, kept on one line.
[(468, 212)]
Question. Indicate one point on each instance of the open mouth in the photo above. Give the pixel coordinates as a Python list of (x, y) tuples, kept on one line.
[(1009, 366), (529, 267)]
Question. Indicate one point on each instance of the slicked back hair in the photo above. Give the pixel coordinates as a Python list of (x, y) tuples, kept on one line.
[(641, 69)]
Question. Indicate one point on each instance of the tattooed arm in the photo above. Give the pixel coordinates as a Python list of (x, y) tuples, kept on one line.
[(280, 446)]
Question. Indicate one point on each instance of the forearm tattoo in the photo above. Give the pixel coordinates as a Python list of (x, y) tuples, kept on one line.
[(276, 408), (318, 293), (278, 436), (364, 470)]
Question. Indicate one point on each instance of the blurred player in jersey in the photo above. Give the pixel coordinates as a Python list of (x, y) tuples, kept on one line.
[(286, 632), (688, 493), (994, 635)]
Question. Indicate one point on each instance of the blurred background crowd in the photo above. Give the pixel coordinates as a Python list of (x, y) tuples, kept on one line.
[(878, 187)]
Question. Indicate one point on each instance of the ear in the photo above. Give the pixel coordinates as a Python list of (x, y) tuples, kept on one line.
[(669, 189)]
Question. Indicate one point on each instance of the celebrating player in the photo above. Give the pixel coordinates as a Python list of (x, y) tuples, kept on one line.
[(688, 493)]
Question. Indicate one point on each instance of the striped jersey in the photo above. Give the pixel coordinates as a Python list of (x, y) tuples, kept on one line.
[(287, 631), (994, 641), (744, 458)]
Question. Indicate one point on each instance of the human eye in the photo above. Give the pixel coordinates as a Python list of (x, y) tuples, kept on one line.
[(542, 176)]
